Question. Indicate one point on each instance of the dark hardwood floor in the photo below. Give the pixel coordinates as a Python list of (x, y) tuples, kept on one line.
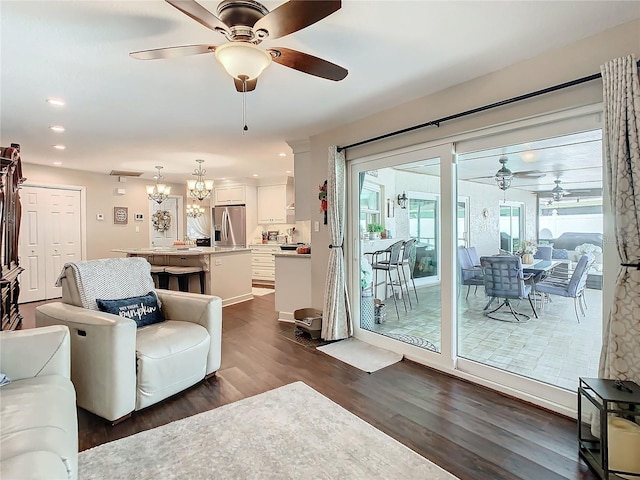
[(470, 431)]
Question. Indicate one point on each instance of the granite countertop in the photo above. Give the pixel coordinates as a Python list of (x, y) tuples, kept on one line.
[(292, 253), (181, 250)]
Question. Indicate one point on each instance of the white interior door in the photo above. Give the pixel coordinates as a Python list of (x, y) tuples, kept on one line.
[(173, 205), (50, 236)]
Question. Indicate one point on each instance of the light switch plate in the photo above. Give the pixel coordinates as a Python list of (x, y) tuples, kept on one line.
[(316, 226)]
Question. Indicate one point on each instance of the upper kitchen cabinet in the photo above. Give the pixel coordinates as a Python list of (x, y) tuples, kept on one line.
[(230, 195), (273, 201)]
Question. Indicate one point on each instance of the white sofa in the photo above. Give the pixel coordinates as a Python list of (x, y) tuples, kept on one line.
[(117, 367), (38, 416)]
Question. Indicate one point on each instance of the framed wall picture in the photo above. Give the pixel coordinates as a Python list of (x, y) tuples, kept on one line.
[(120, 215)]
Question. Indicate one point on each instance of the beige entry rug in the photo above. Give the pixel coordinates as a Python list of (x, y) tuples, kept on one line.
[(259, 292), (361, 354), (292, 432)]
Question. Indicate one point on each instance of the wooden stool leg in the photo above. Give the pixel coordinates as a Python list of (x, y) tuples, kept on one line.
[(201, 282)]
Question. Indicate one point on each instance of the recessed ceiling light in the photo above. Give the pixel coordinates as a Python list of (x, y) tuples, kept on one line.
[(59, 147), (58, 102), (255, 175), (57, 128), (57, 164), (282, 154)]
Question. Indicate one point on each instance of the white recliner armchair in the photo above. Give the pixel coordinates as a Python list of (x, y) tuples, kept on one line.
[(118, 367)]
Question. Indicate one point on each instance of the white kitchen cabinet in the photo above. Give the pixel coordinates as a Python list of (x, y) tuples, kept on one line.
[(230, 195), (263, 264), (272, 203)]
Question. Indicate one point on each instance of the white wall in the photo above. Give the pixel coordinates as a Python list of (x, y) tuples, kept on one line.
[(567, 63)]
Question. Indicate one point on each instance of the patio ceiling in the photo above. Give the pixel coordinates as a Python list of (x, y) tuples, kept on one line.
[(574, 159)]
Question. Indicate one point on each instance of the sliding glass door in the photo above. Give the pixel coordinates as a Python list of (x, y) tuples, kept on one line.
[(442, 201), (424, 226), (399, 251)]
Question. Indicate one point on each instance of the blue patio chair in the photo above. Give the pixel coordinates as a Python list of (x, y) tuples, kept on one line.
[(504, 279), (470, 273), (573, 288), (544, 252)]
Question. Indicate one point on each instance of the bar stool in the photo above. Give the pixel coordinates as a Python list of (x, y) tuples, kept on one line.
[(182, 274), (157, 271)]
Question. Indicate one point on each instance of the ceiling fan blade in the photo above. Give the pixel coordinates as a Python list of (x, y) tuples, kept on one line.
[(173, 52), (295, 15), (200, 14), (308, 63), (251, 84)]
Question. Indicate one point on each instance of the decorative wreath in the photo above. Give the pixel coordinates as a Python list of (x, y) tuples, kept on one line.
[(161, 220)]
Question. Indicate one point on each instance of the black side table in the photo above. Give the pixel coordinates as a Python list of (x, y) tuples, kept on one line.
[(607, 399)]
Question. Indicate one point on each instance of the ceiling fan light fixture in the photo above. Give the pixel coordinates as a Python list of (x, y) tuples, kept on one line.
[(503, 176), (243, 60), (557, 192)]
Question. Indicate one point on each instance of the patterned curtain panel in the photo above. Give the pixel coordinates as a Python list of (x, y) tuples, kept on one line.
[(336, 321), (620, 357)]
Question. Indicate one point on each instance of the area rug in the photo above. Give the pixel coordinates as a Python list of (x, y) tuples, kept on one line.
[(361, 354), (295, 334), (288, 433), (259, 292)]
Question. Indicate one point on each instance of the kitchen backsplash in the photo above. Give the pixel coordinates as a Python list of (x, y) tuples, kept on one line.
[(302, 231)]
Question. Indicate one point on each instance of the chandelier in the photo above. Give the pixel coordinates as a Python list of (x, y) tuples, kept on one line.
[(194, 211), (160, 191), (200, 188)]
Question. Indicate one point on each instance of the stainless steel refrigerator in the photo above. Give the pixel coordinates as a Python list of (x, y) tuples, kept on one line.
[(229, 226)]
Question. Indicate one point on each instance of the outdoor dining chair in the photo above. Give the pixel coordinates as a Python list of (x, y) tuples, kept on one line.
[(504, 279), (573, 288)]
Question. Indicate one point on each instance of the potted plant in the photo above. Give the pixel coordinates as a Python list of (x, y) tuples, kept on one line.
[(374, 230)]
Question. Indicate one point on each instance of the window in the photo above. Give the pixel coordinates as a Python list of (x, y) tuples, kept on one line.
[(370, 205), (511, 226)]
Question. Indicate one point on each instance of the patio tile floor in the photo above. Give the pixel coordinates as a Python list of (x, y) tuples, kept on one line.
[(553, 348)]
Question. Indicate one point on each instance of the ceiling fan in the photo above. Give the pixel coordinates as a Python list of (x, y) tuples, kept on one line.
[(245, 24), (558, 193)]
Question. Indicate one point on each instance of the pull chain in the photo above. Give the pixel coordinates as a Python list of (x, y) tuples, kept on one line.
[(244, 105)]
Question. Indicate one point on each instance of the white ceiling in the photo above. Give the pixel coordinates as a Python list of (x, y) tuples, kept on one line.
[(128, 114)]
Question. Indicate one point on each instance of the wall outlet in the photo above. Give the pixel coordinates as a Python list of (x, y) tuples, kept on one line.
[(218, 262), (137, 229), (100, 216)]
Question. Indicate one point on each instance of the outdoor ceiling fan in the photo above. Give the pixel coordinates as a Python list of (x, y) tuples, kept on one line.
[(245, 24), (558, 193)]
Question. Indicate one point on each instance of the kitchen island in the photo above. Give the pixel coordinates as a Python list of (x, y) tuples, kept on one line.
[(227, 271), (293, 284)]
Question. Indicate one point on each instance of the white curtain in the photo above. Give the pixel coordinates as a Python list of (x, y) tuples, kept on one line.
[(198, 227), (620, 357), (336, 321)]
